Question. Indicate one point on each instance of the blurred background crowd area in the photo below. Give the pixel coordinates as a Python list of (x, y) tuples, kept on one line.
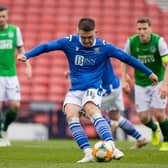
[(45, 20)]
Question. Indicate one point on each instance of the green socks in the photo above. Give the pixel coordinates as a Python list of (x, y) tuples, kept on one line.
[(10, 117), (164, 129), (151, 125)]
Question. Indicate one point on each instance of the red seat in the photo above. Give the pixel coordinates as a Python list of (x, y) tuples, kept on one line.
[(51, 3), (19, 2), (90, 131), (35, 3), (7, 3), (42, 118), (40, 71)]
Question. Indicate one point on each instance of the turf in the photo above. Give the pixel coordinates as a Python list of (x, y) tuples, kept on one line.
[(65, 153)]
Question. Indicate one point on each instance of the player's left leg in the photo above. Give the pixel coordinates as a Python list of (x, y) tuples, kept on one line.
[(91, 102)]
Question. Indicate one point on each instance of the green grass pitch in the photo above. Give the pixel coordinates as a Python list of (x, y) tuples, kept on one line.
[(65, 153)]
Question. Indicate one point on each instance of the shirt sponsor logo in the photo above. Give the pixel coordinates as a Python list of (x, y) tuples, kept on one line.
[(3, 34), (5, 44), (81, 60), (146, 58)]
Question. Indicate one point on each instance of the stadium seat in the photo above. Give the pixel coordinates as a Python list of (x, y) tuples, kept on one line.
[(33, 19), (138, 5), (19, 3), (7, 3), (42, 118), (90, 131), (51, 3), (37, 3)]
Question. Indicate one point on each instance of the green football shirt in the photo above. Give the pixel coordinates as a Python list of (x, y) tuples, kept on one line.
[(8, 44), (149, 55)]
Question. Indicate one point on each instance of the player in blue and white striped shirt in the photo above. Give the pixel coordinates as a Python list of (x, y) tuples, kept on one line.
[(87, 56)]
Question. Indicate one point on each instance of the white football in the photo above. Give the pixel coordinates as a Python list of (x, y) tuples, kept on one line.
[(102, 151)]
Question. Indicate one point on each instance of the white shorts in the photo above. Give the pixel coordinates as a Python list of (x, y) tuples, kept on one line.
[(9, 88), (80, 98), (148, 97), (113, 101)]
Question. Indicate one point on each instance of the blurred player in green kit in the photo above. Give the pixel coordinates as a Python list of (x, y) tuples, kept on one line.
[(151, 49), (10, 41)]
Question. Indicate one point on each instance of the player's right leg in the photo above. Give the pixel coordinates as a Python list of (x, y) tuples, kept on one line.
[(72, 106), (143, 106)]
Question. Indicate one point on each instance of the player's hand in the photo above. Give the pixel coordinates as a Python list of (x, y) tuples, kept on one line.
[(21, 57), (163, 90), (66, 74), (126, 87), (154, 79)]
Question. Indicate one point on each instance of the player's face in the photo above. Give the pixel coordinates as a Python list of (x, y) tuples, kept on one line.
[(3, 18), (144, 31), (87, 37)]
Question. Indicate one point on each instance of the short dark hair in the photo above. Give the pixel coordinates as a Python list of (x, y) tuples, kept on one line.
[(144, 20), (86, 24), (3, 8)]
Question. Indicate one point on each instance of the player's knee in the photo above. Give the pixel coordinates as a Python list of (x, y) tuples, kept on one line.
[(15, 106), (143, 118), (90, 108), (71, 111), (160, 116)]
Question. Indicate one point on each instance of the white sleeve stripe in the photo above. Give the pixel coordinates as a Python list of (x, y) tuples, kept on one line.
[(19, 39), (104, 42), (127, 47), (163, 50), (70, 38)]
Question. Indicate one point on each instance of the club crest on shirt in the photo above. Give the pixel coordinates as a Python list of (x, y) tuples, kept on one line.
[(96, 50), (153, 49), (137, 49), (10, 34), (77, 49)]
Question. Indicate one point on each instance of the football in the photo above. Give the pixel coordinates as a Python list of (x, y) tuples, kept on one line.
[(102, 151)]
